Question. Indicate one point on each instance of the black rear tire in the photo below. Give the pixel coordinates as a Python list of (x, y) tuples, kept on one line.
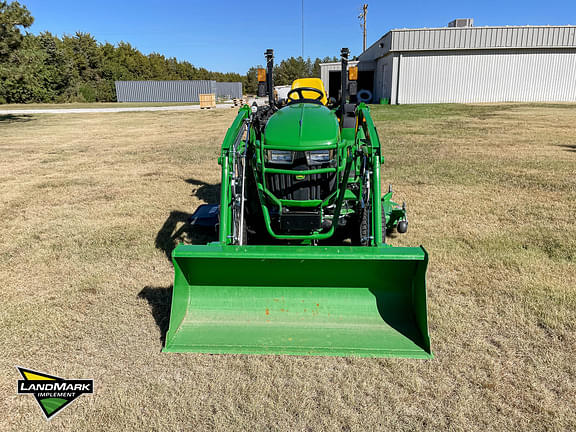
[(383, 226), (365, 225), (364, 228)]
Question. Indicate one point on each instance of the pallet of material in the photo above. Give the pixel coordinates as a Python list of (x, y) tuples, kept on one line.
[(207, 100)]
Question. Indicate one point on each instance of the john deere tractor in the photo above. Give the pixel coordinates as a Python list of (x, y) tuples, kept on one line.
[(302, 265)]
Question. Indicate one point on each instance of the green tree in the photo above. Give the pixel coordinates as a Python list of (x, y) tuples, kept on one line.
[(296, 67), (13, 17), (315, 69), (290, 69), (47, 68), (250, 81)]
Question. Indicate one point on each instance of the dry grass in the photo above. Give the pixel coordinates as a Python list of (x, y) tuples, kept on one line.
[(90, 205), (90, 105)]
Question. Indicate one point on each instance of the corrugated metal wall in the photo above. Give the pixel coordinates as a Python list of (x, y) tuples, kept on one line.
[(326, 68), (228, 90), (173, 91), (457, 38), (482, 38), (383, 78), (487, 76)]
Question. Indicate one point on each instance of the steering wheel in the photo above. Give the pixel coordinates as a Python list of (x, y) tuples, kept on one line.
[(299, 91)]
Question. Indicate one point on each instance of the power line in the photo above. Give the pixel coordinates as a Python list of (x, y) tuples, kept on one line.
[(302, 28)]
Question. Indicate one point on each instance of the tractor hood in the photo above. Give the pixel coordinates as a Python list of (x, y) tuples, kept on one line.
[(303, 126)]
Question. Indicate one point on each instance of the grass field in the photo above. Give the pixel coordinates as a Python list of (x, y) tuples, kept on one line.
[(91, 206), (91, 105)]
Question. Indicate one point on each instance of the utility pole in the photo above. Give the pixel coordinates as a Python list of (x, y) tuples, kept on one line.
[(362, 17)]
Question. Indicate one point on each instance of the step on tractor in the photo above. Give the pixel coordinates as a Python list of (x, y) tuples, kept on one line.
[(301, 265)]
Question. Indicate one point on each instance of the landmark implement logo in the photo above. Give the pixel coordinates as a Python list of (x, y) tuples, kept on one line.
[(51, 392)]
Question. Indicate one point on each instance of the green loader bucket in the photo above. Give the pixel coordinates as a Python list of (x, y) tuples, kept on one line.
[(304, 300)]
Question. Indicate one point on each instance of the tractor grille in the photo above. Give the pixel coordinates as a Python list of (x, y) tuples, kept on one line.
[(312, 187)]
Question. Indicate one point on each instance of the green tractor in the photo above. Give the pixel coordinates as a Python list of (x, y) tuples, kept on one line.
[(302, 265)]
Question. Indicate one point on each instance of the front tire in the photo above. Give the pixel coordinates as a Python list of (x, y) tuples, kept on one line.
[(383, 226), (365, 225)]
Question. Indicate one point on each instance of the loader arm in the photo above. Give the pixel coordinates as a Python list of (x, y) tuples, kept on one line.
[(367, 139), (232, 142)]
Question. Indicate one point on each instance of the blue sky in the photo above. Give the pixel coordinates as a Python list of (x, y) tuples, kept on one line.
[(231, 36)]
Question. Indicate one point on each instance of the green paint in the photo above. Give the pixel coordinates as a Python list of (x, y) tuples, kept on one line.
[(299, 300), (302, 126), (303, 299)]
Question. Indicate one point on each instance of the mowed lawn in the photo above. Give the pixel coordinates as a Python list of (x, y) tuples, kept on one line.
[(91, 205)]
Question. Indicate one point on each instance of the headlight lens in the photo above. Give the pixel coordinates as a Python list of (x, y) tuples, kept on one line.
[(319, 156), (280, 157)]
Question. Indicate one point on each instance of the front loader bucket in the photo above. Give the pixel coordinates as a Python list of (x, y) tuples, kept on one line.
[(305, 300)]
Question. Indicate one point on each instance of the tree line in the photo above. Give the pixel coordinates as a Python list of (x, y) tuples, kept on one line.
[(78, 68), (287, 71)]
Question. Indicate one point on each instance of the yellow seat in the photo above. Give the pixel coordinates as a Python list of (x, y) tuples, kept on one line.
[(310, 82)]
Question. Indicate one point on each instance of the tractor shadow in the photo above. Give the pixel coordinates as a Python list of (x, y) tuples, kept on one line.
[(15, 118), (209, 193), (568, 147), (177, 229), (391, 234), (160, 300)]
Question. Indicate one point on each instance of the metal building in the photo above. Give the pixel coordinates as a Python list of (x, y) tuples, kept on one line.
[(174, 91), (461, 63), (227, 90), (330, 76)]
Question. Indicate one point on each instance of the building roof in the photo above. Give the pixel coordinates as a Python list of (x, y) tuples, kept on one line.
[(459, 38)]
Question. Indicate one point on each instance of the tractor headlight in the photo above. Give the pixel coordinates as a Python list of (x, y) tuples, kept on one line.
[(319, 156), (280, 157)]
